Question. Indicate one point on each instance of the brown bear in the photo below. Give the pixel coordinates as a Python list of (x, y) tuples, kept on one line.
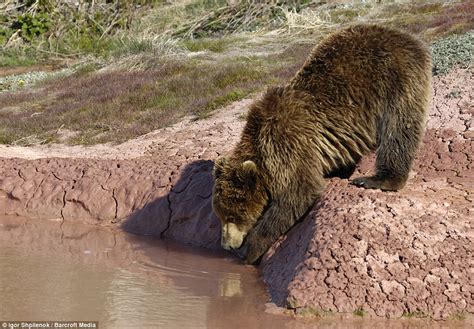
[(363, 88)]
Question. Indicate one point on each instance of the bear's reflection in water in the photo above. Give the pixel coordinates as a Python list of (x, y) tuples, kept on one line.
[(64, 271), (53, 271)]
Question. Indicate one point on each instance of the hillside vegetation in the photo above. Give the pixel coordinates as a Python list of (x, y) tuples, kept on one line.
[(86, 72)]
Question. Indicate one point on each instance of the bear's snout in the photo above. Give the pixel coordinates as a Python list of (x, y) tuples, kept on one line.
[(232, 236)]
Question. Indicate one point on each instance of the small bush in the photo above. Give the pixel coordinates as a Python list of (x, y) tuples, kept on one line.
[(33, 26)]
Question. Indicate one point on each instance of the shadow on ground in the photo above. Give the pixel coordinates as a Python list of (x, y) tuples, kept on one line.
[(185, 213)]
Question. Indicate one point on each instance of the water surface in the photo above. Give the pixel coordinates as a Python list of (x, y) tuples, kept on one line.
[(54, 271), (61, 271)]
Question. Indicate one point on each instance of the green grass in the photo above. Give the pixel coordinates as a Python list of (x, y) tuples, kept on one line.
[(222, 101), (416, 314), (15, 58), (238, 73), (309, 312), (458, 316), (216, 45), (6, 138), (359, 312)]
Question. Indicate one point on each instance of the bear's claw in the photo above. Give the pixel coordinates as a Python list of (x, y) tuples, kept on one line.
[(377, 183)]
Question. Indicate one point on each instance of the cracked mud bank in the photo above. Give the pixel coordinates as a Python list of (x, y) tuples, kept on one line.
[(385, 254)]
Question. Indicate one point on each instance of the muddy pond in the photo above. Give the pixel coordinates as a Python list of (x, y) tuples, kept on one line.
[(59, 271)]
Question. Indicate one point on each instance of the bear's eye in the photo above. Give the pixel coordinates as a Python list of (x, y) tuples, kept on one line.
[(238, 184), (232, 218)]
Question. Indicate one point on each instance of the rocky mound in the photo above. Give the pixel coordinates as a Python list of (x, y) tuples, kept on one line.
[(382, 253)]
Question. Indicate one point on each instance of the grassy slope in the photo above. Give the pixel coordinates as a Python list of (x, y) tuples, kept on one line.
[(155, 78)]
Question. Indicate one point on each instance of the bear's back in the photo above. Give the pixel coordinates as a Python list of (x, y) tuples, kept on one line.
[(354, 83), (363, 64)]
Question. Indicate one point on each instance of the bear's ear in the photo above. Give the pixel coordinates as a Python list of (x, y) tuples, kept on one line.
[(249, 173), (219, 166)]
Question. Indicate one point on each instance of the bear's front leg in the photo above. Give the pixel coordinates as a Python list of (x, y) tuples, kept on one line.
[(285, 210), (256, 244), (276, 221)]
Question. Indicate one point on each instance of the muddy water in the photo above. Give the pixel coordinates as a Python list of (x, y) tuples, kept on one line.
[(53, 271)]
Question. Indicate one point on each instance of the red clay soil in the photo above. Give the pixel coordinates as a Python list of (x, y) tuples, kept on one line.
[(385, 253)]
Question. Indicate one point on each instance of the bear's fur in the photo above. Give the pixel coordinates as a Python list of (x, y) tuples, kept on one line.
[(363, 88)]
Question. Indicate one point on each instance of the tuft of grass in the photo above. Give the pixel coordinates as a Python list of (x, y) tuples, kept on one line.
[(146, 45), (429, 8), (344, 15), (292, 303), (6, 138), (209, 44), (232, 74), (221, 101), (458, 316), (13, 60), (359, 312), (415, 314), (309, 311)]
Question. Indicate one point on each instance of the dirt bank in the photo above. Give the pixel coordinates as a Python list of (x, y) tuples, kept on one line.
[(386, 254)]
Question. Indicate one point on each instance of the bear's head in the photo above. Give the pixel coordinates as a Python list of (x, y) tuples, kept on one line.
[(239, 199)]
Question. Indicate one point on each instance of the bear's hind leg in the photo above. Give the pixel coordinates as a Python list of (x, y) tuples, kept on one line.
[(398, 139)]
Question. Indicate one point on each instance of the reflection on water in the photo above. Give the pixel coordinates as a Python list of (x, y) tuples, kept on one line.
[(54, 271), (45, 288), (61, 271)]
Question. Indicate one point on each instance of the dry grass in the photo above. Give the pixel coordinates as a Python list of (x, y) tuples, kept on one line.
[(150, 79), (428, 19)]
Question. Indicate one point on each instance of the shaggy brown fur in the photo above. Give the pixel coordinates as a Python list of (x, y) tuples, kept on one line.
[(361, 89)]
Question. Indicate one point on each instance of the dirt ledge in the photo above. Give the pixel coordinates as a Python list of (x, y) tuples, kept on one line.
[(386, 254)]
